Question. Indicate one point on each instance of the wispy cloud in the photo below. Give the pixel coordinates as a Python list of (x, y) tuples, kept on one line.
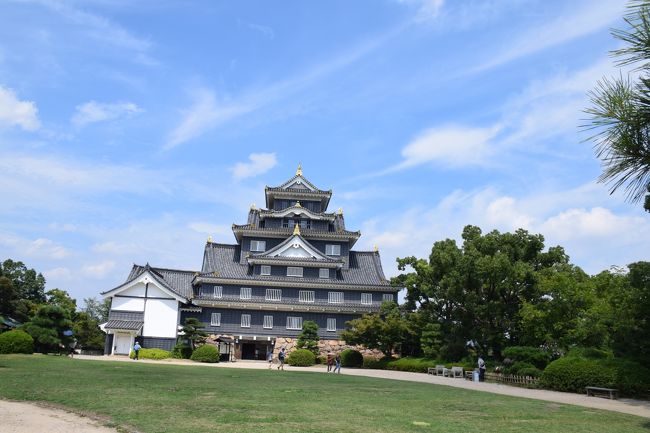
[(426, 9), (259, 164), (266, 31), (575, 23), (14, 112), (92, 112)]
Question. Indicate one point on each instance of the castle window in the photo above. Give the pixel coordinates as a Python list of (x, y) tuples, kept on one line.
[(366, 298), (245, 293), (323, 273), (294, 323), (268, 322), (306, 296), (331, 324), (245, 320), (332, 250), (266, 270), (335, 297), (388, 297), (258, 246), (293, 271), (215, 319), (273, 294)]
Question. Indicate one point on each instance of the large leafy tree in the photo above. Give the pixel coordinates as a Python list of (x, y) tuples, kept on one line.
[(87, 332), (384, 331), (62, 299), (98, 310), (620, 112)]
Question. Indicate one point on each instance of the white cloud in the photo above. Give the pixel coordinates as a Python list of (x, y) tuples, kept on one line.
[(14, 112), (575, 23), (43, 247), (93, 111), (60, 273), (426, 9), (98, 270), (259, 163), (209, 229)]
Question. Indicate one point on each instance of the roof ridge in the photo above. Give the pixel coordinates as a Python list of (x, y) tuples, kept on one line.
[(156, 268)]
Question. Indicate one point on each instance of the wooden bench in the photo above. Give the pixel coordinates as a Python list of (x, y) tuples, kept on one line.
[(595, 390)]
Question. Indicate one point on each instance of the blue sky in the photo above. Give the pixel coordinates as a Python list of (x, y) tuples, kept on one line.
[(130, 132)]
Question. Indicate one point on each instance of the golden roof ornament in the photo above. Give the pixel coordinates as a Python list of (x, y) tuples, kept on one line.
[(210, 238), (376, 248), (340, 211), (299, 171), (296, 229), (253, 207), (298, 204)]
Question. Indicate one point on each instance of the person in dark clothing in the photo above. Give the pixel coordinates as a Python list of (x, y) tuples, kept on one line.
[(481, 369), (337, 360)]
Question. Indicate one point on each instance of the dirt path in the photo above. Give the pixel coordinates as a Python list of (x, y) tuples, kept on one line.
[(29, 418)]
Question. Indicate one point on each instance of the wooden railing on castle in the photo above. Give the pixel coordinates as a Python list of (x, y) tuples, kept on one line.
[(512, 379)]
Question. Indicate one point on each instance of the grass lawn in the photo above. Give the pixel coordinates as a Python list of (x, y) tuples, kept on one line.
[(170, 398)]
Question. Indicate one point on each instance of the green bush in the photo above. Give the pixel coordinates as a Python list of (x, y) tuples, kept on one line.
[(453, 351), (377, 364), (182, 351), (151, 354), (16, 341), (351, 358), (415, 365), (301, 358), (532, 355), (321, 359), (206, 353), (530, 372), (573, 374), (589, 353)]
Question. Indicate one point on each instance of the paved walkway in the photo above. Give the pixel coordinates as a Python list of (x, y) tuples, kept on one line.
[(628, 406)]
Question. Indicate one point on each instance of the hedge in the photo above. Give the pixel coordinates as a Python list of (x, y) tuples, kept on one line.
[(151, 354), (532, 355), (351, 358), (206, 353), (16, 341), (377, 364), (301, 358), (182, 351), (416, 365), (573, 374)]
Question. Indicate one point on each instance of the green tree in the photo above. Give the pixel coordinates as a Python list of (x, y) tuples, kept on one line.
[(620, 112), (98, 310), (384, 331), (308, 337), (7, 296), (87, 332), (49, 328), (193, 332), (29, 285), (62, 299)]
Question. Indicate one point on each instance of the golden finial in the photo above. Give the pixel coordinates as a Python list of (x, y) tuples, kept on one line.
[(296, 229), (340, 211), (299, 171), (210, 238), (376, 248), (253, 206), (298, 204)]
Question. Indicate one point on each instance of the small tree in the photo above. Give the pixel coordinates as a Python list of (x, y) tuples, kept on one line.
[(48, 328), (193, 331), (384, 331), (308, 337)]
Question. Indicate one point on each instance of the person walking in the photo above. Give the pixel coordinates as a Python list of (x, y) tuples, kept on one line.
[(338, 363), (269, 358), (481, 369), (281, 357), (330, 361), (136, 350)]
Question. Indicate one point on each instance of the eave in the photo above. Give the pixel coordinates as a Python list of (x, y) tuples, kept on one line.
[(279, 306), (309, 234), (283, 261), (294, 282)]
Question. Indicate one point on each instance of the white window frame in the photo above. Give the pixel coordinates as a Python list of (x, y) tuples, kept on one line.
[(245, 293), (335, 297), (266, 268), (245, 320), (366, 298), (323, 273), (332, 250), (388, 297), (273, 295), (268, 322), (258, 246), (306, 296), (295, 273), (331, 324), (218, 292), (294, 323), (215, 319)]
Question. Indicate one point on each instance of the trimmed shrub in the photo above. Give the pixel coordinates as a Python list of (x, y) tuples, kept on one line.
[(532, 355), (206, 353), (16, 341), (377, 364), (589, 353), (351, 358), (182, 351), (322, 359), (415, 365), (151, 354), (574, 374), (301, 358)]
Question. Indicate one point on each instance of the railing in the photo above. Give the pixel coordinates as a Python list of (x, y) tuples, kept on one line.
[(512, 379)]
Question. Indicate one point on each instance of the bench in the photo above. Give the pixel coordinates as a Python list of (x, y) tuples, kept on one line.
[(595, 390), (455, 372), (438, 370)]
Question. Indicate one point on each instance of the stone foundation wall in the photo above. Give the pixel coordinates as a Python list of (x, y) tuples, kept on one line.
[(324, 346)]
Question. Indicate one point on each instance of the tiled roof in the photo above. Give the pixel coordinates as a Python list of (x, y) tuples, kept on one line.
[(130, 325), (222, 260), (125, 315), (178, 281)]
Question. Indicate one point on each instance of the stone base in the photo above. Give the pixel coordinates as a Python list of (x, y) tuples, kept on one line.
[(324, 347)]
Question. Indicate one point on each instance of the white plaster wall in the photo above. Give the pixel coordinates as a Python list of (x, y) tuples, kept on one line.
[(127, 304), (160, 318), (136, 290), (155, 292)]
